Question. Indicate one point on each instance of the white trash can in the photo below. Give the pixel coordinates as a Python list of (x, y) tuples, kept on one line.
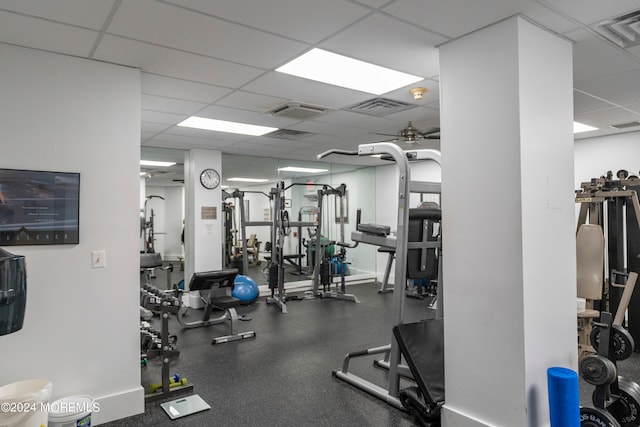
[(23, 404), (72, 411)]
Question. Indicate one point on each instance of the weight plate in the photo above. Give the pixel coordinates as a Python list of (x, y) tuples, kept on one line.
[(594, 417), (597, 370), (626, 409), (621, 339)]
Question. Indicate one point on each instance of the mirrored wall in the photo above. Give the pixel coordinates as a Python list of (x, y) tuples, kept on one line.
[(311, 195)]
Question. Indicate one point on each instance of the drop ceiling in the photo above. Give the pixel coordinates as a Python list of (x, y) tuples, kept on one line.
[(217, 59)]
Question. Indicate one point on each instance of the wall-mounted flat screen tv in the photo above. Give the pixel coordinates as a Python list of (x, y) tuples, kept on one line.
[(39, 207)]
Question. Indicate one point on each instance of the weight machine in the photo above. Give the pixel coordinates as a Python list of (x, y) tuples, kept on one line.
[(322, 274), (379, 235), (305, 214), (147, 226), (239, 196), (612, 203), (281, 227)]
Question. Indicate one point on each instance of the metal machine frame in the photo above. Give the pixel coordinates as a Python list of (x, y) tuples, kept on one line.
[(399, 242)]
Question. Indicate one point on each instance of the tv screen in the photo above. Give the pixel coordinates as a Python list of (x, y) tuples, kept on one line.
[(39, 207)]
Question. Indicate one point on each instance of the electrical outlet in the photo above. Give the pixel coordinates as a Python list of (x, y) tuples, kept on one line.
[(98, 259)]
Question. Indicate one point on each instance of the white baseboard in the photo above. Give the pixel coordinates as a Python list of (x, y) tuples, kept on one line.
[(118, 406)]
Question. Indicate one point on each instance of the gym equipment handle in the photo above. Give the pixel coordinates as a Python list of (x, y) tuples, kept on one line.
[(336, 151)]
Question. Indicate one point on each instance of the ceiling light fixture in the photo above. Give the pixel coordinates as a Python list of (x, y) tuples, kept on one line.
[(248, 179), (225, 126), (338, 70), (581, 127), (299, 169), (156, 163)]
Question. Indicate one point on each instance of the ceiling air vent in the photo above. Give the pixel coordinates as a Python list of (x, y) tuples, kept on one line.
[(623, 30), (298, 111), (288, 134), (626, 125), (380, 107)]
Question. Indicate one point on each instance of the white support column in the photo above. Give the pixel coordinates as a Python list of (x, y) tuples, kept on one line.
[(203, 235), (508, 222)]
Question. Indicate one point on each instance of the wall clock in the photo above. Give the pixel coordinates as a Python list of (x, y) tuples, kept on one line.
[(210, 179)]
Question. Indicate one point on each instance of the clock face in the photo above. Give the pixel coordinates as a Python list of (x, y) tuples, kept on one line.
[(209, 179)]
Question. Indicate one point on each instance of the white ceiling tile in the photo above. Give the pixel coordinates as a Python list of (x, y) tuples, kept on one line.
[(145, 134), (391, 43), (270, 148), (308, 91), (594, 58), (166, 25), (250, 101), (83, 13), (422, 117), (153, 127), (373, 3), (162, 118), (454, 18), (45, 35), (245, 116), (633, 106), (404, 94), (635, 51), (185, 141), (583, 103), (327, 127), (605, 118), (181, 89), (362, 122), (206, 134), (591, 11), (170, 105), (174, 63), (305, 20), (619, 89)]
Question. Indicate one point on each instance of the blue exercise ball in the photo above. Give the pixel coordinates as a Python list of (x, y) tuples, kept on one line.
[(245, 289)]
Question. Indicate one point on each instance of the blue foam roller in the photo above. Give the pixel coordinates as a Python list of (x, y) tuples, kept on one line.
[(564, 397)]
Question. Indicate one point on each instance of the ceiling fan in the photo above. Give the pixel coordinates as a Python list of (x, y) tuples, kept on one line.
[(411, 134)]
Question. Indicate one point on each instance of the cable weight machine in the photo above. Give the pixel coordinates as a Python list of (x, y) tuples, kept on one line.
[(322, 272)]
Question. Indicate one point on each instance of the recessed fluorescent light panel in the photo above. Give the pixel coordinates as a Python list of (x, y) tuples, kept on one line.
[(248, 179), (331, 68), (156, 163), (225, 126), (580, 127), (298, 169)]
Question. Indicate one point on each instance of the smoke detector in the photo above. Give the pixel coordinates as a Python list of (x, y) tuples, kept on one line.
[(418, 92)]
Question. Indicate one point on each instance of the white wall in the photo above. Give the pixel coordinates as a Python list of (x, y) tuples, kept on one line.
[(595, 156), (81, 327)]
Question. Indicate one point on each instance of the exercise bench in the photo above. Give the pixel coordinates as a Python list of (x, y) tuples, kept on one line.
[(422, 346), (215, 289)]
